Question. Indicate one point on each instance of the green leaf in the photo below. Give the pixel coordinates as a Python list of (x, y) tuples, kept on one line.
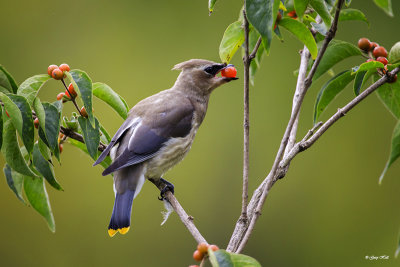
[(36, 193), (368, 66), (336, 52), (394, 150), (394, 53), (330, 90), (26, 131), (44, 150), (105, 136), (320, 7), (300, 6), (233, 39), (262, 15), (11, 149), (321, 28), (222, 258), (31, 86), (105, 163), (91, 136), (15, 182), (105, 93), (389, 93), (352, 14), (1, 127), (361, 78), (385, 5), (44, 168), (52, 125), (301, 31), (83, 85), (211, 4), (7, 81)]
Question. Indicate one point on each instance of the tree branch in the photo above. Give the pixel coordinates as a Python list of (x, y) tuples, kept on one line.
[(185, 218), (242, 232)]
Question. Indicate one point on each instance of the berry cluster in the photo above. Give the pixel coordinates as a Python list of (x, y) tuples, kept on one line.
[(376, 53), (57, 72), (202, 251)]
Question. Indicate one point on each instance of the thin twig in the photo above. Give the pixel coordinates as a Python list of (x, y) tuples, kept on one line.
[(246, 118), (72, 97), (241, 234), (185, 218), (254, 52)]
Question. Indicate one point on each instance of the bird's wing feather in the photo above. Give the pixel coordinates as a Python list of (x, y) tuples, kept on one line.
[(128, 124), (150, 135)]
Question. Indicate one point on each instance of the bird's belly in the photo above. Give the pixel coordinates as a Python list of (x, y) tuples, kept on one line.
[(171, 154)]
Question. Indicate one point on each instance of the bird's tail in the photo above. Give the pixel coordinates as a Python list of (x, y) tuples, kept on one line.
[(121, 215)]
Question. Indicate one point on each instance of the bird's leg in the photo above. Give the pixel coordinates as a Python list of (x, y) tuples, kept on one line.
[(168, 187)]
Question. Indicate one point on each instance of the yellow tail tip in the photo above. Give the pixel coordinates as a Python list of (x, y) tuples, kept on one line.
[(112, 232), (123, 230)]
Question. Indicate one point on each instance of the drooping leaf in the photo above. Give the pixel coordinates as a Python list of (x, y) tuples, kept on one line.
[(40, 113), (336, 52), (394, 150), (105, 93), (52, 125), (105, 163), (394, 53), (211, 4), (222, 258), (7, 81), (389, 93), (27, 129), (262, 15), (330, 90), (11, 149), (31, 86), (233, 39), (368, 66), (320, 7), (44, 150), (385, 5), (302, 33), (352, 14), (90, 135), (44, 168), (300, 6), (83, 86), (15, 182), (36, 193), (361, 78)]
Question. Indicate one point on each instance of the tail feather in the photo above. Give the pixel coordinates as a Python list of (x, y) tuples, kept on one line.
[(121, 215)]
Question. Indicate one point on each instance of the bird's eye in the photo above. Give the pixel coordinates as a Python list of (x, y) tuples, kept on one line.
[(209, 70)]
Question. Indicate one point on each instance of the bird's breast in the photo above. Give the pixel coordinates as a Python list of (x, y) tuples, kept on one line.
[(173, 151)]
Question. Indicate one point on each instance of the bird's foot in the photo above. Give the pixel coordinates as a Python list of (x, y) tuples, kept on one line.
[(168, 187)]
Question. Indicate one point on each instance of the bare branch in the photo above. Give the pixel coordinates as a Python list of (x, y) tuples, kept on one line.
[(185, 218), (253, 54)]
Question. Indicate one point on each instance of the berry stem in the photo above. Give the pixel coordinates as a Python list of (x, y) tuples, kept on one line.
[(72, 97)]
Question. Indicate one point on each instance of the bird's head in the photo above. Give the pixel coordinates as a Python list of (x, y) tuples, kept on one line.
[(200, 74)]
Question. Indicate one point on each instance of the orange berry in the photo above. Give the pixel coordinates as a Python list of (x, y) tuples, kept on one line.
[(373, 45), (71, 89), (213, 247), (369, 60), (60, 147), (229, 72), (202, 247), (60, 96), (383, 60), (7, 114), (64, 67), (292, 14), (364, 44), (380, 51), (278, 17), (83, 112), (193, 265), (36, 123), (51, 68), (198, 256), (57, 74)]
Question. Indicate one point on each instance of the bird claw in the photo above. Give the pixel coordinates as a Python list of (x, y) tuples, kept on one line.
[(168, 187)]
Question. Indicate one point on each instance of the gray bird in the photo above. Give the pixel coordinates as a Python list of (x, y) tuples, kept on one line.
[(157, 134)]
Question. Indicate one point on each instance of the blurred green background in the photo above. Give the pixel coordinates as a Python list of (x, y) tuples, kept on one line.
[(328, 211)]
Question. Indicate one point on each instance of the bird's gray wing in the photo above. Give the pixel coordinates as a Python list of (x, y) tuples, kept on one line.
[(128, 124), (151, 134)]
